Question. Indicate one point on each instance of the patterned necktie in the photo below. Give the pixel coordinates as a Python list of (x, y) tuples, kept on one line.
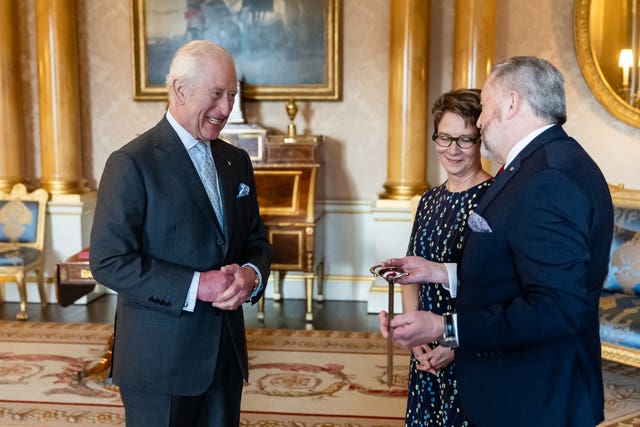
[(207, 171)]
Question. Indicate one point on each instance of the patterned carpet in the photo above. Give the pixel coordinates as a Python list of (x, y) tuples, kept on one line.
[(298, 378)]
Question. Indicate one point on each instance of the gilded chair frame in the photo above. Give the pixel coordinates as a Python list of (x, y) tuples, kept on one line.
[(625, 198), (18, 273)]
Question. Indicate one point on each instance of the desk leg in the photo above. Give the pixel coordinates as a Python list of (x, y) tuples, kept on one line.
[(320, 275), (277, 282), (308, 281), (261, 308)]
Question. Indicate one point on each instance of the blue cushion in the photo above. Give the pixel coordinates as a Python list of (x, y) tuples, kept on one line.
[(619, 319), (624, 263), (18, 257), (30, 231)]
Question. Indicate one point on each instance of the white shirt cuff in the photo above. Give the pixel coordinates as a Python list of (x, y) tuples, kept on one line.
[(452, 273), (192, 295)]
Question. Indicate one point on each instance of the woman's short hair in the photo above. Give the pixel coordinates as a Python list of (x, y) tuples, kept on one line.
[(463, 102)]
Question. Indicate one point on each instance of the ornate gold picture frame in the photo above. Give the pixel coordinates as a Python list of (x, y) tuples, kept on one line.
[(283, 50), (593, 75)]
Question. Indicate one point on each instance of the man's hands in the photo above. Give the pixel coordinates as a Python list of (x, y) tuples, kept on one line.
[(418, 269), (414, 328), (227, 288), (212, 283)]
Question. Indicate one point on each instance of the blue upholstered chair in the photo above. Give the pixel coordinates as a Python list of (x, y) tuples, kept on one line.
[(22, 224)]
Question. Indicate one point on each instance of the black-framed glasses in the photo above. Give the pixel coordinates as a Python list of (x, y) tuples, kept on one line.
[(464, 141)]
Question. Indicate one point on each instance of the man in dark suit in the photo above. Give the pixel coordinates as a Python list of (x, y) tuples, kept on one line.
[(525, 331), (179, 237)]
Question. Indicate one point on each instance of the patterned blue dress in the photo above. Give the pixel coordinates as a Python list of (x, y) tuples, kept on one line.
[(437, 235)]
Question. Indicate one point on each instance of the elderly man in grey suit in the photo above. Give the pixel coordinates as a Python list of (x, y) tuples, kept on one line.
[(178, 235)]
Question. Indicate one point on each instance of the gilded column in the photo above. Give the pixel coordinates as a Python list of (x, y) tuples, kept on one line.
[(473, 42), (474, 46), (408, 99), (12, 132), (60, 144)]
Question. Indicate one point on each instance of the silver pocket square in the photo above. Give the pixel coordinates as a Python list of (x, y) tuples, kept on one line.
[(243, 190), (478, 224)]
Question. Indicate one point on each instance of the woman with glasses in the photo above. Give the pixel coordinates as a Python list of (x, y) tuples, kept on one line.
[(438, 235)]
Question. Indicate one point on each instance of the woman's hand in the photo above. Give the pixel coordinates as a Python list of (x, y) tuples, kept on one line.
[(432, 360)]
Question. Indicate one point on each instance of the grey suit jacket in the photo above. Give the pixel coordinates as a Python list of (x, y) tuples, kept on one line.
[(153, 227)]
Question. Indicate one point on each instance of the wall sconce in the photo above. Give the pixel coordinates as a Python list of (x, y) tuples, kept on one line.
[(625, 62)]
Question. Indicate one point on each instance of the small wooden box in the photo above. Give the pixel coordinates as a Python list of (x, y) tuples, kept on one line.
[(73, 278)]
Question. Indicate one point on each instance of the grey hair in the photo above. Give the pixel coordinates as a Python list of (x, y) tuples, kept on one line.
[(538, 82), (187, 62)]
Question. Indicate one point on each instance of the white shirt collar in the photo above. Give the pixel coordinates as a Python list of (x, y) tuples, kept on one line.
[(516, 149), (187, 140)]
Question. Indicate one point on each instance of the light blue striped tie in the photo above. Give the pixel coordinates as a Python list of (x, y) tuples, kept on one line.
[(207, 171)]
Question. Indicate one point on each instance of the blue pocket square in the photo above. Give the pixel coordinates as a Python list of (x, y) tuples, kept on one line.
[(243, 190), (478, 224)]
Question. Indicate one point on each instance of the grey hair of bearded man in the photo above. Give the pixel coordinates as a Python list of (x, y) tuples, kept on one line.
[(538, 82), (187, 62)]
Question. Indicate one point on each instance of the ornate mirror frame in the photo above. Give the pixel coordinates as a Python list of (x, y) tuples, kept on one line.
[(592, 72)]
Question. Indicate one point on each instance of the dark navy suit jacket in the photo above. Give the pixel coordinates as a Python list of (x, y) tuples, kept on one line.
[(528, 292), (153, 227)]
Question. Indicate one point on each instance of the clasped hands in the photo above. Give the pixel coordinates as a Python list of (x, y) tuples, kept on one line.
[(227, 288)]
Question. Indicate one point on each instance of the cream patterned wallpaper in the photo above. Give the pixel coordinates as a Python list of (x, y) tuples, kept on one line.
[(354, 166), (545, 28)]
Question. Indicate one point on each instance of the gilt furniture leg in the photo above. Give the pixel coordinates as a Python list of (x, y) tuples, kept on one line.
[(261, 308), (100, 371), (320, 275), (277, 296), (308, 281), (22, 290)]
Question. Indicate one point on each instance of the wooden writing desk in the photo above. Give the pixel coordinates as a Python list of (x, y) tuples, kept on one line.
[(286, 198), (286, 186)]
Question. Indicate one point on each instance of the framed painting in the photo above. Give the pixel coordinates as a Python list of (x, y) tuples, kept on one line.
[(283, 49)]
